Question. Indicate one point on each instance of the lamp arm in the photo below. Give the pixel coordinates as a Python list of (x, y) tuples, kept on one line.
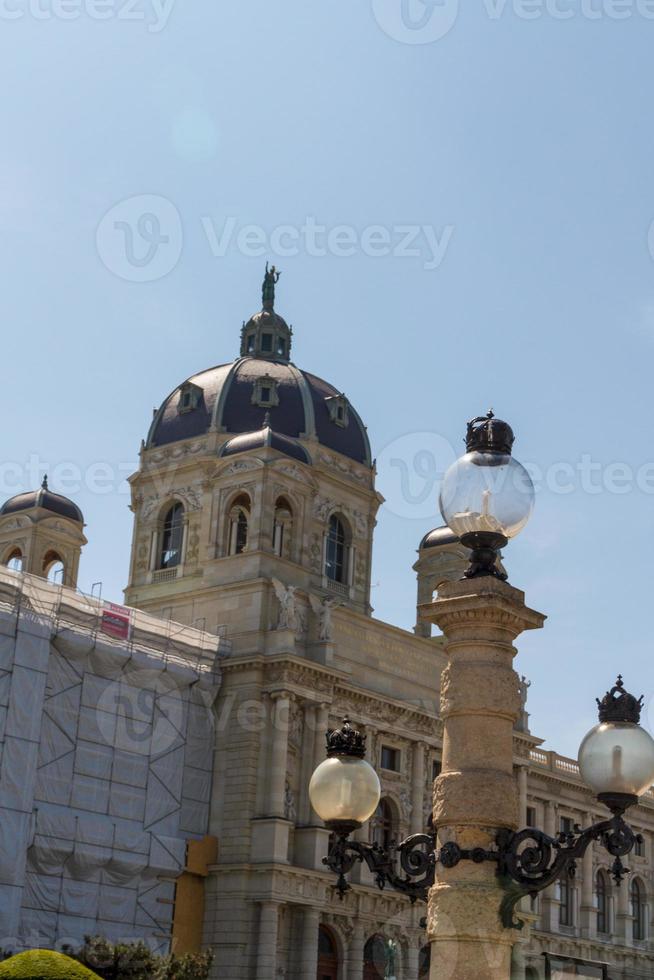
[(527, 870), (417, 860)]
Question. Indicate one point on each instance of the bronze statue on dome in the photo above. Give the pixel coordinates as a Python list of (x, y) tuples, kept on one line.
[(270, 280)]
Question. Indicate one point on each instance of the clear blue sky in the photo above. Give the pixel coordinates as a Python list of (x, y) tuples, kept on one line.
[(523, 146)]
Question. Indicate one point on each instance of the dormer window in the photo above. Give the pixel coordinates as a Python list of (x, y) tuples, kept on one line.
[(190, 397), (264, 392), (266, 343), (338, 408)]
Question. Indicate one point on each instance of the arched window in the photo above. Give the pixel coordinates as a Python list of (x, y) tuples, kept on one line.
[(424, 963), (327, 955), (53, 568), (15, 560), (337, 552), (282, 526), (565, 901), (602, 892), (172, 537), (375, 958), (637, 894), (239, 518), (382, 825)]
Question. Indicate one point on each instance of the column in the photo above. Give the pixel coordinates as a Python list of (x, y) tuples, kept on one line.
[(412, 959), (549, 902), (267, 941), (418, 788), (321, 715), (623, 929), (476, 793), (588, 918), (279, 754), (355, 953), (308, 766), (309, 949)]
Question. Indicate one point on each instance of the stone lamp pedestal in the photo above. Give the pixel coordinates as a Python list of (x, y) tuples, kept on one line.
[(476, 794)]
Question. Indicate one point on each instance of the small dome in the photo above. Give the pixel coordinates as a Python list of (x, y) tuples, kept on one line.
[(440, 537), (46, 500), (265, 437)]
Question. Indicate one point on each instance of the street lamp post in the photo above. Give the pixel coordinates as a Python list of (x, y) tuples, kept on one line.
[(473, 866)]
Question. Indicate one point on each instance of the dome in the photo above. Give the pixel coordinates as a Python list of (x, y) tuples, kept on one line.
[(45, 499), (440, 537), (233, 398)]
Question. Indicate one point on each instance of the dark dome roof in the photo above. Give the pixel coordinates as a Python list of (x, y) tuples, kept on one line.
[(47, 500), (226, 402), (265, 437), (439, 538), (230, 398)]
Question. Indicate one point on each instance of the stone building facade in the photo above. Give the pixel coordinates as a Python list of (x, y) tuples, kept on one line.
[(254, 510)]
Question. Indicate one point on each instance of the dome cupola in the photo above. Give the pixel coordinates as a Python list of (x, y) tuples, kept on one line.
[(267, 335)]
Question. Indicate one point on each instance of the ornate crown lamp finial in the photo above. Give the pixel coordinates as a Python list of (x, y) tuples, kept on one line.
[(618, 705), (487, 434), (270, 280), (346, 741)]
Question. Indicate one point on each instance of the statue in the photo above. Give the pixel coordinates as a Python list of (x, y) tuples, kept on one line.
[(524, 689), (288, 615), (270, 280), (323, 610), (391, 960)]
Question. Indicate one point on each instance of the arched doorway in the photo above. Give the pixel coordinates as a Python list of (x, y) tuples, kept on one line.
[(424, 963), (327, 955)]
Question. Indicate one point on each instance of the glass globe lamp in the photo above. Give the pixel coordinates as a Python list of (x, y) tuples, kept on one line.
[(345, 790), (487, 496), (616, 758)]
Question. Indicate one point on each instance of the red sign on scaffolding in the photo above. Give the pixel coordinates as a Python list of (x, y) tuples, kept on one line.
[(116, 621)]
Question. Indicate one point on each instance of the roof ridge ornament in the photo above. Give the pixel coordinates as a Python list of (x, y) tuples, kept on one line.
[(270, 280), (618, 705), (44, 485)]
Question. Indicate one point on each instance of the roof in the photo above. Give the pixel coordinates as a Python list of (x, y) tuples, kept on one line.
[(226, 402), (440, 537), (47, 500), (265, 437)]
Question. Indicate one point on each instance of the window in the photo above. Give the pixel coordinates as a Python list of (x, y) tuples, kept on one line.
[(281, 347), (337, 552), (390, 758), (640, 846), (381, 825), (338, 408), (239, 517), (15, 560), (601, 891), (264, 392), (424, 963), (531, 816), (282, 527), (327, 955), (375, 959), (250, 343), (53, 568), (565, 902), (190, 398), (266, 343), (638, 909), (172, 538), (436, 769), (567, 825)]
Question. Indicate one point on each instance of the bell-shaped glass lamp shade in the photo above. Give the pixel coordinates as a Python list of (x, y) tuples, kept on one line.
[(345, 790), (617, 759), (487, 492)]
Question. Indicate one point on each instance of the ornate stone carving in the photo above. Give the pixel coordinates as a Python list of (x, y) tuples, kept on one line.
[(288, 618)]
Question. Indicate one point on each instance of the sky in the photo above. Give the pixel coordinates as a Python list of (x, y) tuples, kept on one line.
[(460, 199)]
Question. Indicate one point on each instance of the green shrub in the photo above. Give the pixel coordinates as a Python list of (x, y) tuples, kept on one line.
[(44, 964)]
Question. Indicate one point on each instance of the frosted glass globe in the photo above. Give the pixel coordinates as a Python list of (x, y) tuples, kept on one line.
[(346, 789), (488, 492), (617, 757)]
